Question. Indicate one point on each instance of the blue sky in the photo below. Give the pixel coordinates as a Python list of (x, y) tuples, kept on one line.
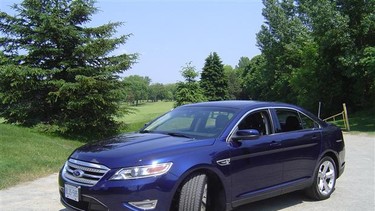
[(168, 34)]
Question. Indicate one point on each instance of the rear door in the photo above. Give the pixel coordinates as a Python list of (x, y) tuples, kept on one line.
[(300, 139)]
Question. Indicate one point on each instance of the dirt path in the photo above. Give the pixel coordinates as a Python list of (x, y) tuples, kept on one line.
[(354, 190), (40, 194)]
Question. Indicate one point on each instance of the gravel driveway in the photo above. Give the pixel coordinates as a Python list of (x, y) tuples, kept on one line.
[(354, 190)]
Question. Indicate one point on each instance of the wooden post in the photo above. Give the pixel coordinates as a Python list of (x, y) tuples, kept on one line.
[(346, 116), (320, 105)]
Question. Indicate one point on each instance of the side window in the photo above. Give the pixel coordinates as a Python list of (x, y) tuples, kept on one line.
[(259, 120), (289, 120), (308, 123)]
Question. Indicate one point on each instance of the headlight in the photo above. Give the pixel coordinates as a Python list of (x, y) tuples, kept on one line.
[(142, 171)]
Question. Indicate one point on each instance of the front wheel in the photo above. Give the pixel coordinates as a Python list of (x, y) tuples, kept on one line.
[(193, 196), (324, 181)]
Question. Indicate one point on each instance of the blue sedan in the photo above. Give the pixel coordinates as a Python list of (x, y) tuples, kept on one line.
[(207, 156)]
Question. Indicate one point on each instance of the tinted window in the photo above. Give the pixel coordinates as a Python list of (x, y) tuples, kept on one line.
[(289, 120), (258, 120), (308, 123)]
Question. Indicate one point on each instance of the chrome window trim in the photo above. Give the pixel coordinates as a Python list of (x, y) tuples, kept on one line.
[(299, 112), (268, 109)]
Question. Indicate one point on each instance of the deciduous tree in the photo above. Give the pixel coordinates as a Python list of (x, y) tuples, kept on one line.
[(234, 82), (314, 51), (136, 88)]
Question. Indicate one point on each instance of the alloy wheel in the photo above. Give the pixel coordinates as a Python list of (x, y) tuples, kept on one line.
[(326, 177)]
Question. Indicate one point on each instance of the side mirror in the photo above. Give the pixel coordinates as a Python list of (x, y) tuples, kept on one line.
[(249, 134)]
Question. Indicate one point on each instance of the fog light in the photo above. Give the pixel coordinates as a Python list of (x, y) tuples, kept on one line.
[(145, 205)]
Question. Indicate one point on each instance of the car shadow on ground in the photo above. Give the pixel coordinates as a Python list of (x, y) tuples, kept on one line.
[(277, 203)]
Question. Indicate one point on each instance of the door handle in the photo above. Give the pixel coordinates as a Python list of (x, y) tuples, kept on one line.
[(275, 144)]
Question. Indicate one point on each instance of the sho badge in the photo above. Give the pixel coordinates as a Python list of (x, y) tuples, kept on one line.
[(223, 162)]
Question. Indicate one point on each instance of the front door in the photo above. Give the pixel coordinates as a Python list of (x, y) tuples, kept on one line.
[(255, 164)]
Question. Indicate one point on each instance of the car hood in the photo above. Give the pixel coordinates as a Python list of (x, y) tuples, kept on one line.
[(136, 149)]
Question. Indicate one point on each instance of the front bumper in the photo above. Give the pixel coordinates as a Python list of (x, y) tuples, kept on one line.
[(123, 195), (85, 203)]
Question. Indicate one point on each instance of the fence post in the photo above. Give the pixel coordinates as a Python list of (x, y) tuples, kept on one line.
[(346, 116), (320, 105)]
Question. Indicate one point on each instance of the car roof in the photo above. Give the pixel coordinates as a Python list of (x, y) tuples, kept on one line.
[(241, 104), (251, 104)]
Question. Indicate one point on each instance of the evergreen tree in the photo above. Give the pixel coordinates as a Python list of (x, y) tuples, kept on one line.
[(188, 91), (56, 71), (213, 79)]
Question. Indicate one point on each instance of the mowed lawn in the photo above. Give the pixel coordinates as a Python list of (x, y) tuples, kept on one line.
[(143, 113), (360, 122), (26, 154)]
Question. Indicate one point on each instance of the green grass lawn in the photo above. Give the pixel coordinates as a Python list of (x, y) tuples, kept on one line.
[(26, 154), (360, 122), (144, 113)]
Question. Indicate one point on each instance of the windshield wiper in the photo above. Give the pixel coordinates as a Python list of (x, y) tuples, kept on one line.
[(178, 135), (167, 133), (145, 131)]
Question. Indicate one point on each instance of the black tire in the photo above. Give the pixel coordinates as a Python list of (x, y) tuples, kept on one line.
[(324, 180), (193, 195)]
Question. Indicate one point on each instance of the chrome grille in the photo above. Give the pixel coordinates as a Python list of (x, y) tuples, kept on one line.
[(83, 173)]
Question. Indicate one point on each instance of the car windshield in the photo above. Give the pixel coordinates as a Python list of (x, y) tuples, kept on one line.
[(192, 122)]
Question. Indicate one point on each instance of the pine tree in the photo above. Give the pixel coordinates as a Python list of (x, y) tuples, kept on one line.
[(188, 91), (56, 71), (213, 79)]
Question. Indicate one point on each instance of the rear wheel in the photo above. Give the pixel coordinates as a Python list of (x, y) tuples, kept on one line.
[(193, 196), (325, 180)]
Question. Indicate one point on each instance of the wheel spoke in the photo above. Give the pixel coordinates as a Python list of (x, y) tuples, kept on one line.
[(326, 187), (326, 178), (325, 168), (320, 175), (321, 185), (330, 175)]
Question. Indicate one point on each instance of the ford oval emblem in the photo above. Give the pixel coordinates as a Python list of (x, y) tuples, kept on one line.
[(78, 173)]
